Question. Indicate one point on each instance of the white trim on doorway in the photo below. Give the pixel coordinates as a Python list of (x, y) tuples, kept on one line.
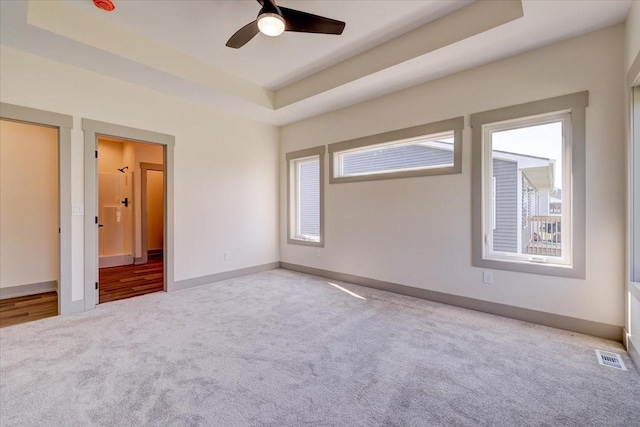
[(92, 129), (64, 124)]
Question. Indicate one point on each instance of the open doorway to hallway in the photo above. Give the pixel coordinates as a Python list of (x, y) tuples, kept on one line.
[(29, 222), (131, 218)]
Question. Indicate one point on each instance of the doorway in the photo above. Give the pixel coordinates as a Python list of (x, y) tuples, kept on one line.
[(93, 131), (29, 222), (130, 218)]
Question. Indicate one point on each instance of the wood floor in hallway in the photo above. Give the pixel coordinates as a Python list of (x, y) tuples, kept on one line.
[(128, 281), (14, 311)]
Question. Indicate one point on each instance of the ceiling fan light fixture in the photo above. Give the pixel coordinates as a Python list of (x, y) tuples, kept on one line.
[(271, 24)]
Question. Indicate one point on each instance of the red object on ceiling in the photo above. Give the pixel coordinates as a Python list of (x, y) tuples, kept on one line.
[(104, 5)]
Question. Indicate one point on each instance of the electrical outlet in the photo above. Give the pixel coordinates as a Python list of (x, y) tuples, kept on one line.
[(487, 277), (227, 255), (318, 253)]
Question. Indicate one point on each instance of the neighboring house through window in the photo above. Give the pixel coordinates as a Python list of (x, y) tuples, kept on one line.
[(520, 195), (431, 149)]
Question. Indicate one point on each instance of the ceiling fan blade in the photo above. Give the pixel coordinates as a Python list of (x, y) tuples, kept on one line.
[(243, 35), (303, 22), (271, 2)]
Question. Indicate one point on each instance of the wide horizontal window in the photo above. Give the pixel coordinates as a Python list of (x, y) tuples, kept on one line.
[(426, 152), (432, 149)]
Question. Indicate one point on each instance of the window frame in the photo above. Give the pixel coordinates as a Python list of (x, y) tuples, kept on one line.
[(487, 167), (574, 178), (400, 136), (634, 202), (494, 199), (293, 160)]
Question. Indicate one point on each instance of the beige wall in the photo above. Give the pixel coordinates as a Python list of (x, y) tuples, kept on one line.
[(632, 36), (28, 204), (155, 209), (111, 156), (417, 231), (225, 165), (142, 153)]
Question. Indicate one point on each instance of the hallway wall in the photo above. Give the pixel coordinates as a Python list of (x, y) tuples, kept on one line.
[(28, 204), (155, 211)]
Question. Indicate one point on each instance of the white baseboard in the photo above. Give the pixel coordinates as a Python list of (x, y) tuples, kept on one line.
[(115, 260), (633, 352), (218, 277), (588, 327), (29, 289)]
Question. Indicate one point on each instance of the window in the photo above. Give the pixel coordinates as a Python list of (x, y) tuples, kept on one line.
[(528, 185), (432, 149), (305, 196), (524, 158)]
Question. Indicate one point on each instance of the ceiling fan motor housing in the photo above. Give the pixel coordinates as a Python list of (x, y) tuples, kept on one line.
[(104, 5), (273, 20)]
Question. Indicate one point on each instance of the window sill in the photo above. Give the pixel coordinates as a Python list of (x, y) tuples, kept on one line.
[(545, 269), (304, 242), (411, 173), (522, 261)]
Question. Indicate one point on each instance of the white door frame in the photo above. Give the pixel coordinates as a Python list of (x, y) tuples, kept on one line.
[(92, 130), (64, 124)]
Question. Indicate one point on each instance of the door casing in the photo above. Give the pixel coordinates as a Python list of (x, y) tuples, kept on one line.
[(92, 130)]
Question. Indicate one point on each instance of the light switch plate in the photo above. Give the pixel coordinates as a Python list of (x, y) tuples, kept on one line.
[(77, 210), (487, 277)]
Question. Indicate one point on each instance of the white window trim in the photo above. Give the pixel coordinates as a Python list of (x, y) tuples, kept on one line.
[(298, 235), (426, 132), (494, 206), (293, 159), (574, 104), (634, 199), (487, 165)]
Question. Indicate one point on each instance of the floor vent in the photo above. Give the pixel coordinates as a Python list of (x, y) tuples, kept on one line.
[(611, 360)]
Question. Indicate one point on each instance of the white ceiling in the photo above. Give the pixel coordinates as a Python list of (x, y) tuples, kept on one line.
[(201, 29), (273, 68)]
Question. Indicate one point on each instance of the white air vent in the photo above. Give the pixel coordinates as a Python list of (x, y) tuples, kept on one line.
[(611, 360)]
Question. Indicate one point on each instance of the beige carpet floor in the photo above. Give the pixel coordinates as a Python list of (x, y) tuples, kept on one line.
[(286, 349)]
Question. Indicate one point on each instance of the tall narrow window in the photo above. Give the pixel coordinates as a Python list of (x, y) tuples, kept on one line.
[(305, 172), (529, 187), (526, 172)]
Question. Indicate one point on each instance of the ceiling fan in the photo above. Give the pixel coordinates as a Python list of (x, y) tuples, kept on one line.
[(273, 20)]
